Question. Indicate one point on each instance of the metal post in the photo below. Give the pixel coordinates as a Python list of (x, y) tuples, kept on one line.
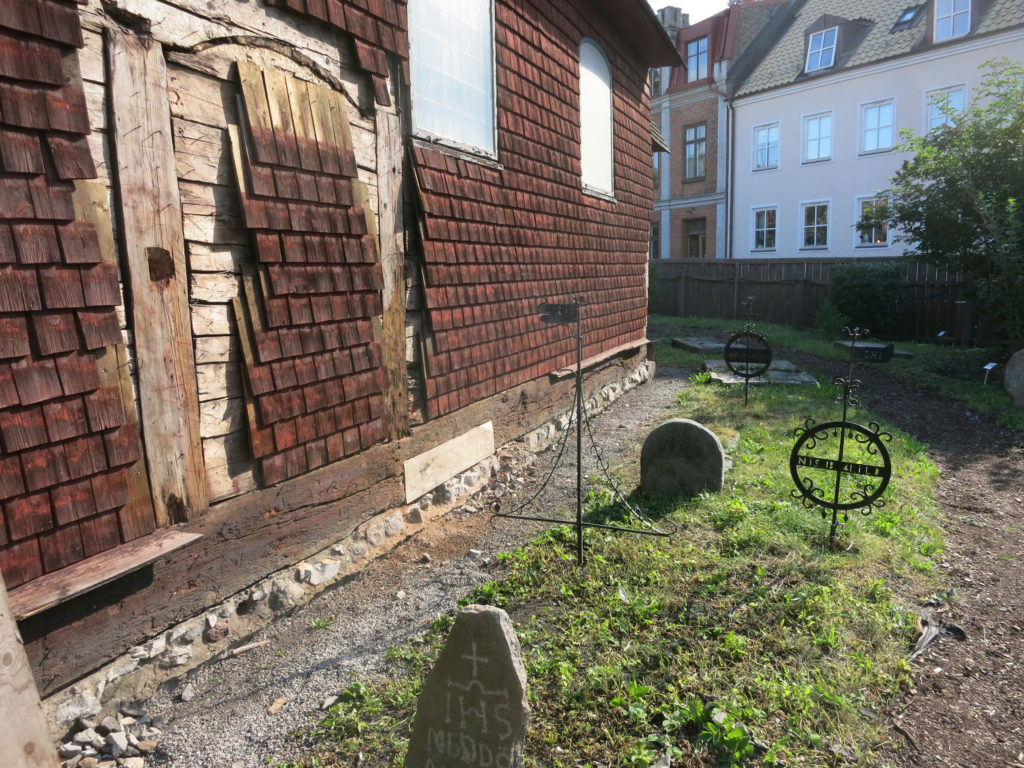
[(579, 435)]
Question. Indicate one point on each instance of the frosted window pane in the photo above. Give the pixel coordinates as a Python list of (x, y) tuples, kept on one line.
[(595, 118), (452, 70)]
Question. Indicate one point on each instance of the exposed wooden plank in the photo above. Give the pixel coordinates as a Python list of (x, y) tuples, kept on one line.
[(29, 744), (200, 98), (201, 152), (302, 118), (207, 257), (218, 380), (230, 468), (155, 252), (214, 287), (85, 575), (115, 366), (217, 349), (607, 354), (90, 57), (212, 320), (281, 116), (423, 473), (392, 257), (254, 94), (222, 417)]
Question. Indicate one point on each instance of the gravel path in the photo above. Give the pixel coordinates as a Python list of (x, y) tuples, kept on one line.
[(228, 721)]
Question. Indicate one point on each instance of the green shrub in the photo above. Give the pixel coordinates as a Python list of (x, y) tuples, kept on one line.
[(829, 321), (870, 295)]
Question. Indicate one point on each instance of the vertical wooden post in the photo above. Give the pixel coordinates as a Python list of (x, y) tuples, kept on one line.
[(392, 257), (154, 251), (25, 738)]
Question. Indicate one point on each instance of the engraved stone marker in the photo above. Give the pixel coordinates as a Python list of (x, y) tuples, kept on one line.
[(682, 458), (473, 709)]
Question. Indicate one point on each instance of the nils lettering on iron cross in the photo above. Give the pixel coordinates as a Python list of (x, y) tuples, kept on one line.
[(841, 465)]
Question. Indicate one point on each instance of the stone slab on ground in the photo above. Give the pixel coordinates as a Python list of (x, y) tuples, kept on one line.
[(706, 345), (779, 372), (845, 344)]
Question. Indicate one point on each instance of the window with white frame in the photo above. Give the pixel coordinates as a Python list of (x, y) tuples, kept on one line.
[(596, 150), (821, 49), (451, 52), (696, 59), (871, 232), (764, 228), (696, 150), (952, 19), (818, 137), (814, 225), (766, 146), (944, 105), (878, 126)]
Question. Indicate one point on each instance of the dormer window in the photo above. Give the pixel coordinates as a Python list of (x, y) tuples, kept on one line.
[(952, 19), (821, 49), (908, 18), (696, 59)]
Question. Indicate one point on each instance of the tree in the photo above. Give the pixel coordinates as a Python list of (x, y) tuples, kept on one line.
[(959, 201)]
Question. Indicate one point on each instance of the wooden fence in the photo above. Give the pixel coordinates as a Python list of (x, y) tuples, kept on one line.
[(789, 291)]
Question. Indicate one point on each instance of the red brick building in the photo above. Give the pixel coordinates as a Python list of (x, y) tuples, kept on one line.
[(690, 106)]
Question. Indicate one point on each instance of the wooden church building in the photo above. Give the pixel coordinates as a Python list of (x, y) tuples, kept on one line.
[(258, 257)]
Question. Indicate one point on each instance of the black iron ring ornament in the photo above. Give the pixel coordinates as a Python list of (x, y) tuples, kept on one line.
[(860, 457), (748, 354)]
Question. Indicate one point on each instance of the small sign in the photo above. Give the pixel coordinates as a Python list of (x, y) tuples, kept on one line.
[(874, 353), (559, 313), (990, 366), (840, 465)]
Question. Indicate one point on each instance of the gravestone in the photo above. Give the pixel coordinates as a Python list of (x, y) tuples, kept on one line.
[(1013, 378), (682, 458), (472, 711)]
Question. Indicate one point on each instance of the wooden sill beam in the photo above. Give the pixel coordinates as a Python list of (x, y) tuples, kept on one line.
[(608, 354), (57, 587)]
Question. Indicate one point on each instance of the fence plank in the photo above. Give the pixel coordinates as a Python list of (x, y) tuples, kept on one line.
[(790, 291)]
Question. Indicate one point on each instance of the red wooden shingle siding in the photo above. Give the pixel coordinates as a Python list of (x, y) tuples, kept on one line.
[(63, 486), (316, 376), (498, 242)]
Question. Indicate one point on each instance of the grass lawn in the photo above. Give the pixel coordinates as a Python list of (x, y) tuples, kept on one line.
[(745, 639)]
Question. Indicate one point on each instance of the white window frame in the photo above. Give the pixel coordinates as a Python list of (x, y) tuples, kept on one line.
[(450, 124), (820, 50), (702, 160), (805, 137), (931, 96), (597, 131), (754, 165), (700, 56), (858, 213), (804, 205), (862, 127), (948, 14), (754, 211)]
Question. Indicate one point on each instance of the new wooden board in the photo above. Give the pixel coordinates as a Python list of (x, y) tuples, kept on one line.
[(155, 254), (430, 469)]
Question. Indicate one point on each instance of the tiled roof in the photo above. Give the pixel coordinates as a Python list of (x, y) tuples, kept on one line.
[(64, 490), (498, 241), (785, 62), (313, 362)]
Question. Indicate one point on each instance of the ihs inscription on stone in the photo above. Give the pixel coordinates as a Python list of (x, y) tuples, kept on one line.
[(473, 709)]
